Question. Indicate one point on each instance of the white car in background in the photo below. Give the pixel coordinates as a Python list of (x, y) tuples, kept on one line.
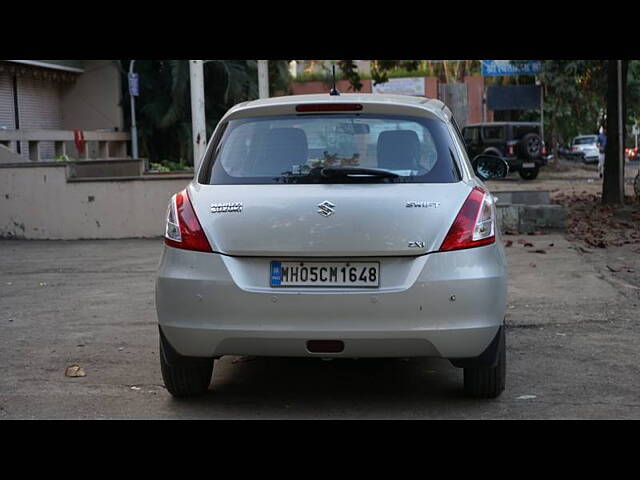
[(588, 146), (335, 226)]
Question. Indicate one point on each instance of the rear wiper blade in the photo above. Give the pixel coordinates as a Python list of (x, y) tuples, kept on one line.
[(345, 171)]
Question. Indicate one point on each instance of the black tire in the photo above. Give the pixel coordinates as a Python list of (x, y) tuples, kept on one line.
[(530, 146), (184, 377), (529, 173), (488, 382)]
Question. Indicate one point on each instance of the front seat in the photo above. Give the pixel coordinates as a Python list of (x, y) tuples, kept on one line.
[(399, 150)]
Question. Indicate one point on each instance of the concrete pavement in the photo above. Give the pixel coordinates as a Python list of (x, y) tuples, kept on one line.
[(572, 347)]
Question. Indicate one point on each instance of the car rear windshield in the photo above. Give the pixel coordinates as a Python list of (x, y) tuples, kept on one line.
[(340, 148), (585, 140)]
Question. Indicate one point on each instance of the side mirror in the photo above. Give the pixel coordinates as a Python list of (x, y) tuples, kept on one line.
[(489, 167)]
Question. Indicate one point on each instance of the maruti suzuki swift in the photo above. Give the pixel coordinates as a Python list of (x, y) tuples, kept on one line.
[(334, 226)]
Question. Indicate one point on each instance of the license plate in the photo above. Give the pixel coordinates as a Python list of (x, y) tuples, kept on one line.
[(528, 165), (325, 274)]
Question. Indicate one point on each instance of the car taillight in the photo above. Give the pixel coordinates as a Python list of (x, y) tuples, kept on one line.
[(544, 150), (510, 149), (183, 229), (329, 107), (475, 224)]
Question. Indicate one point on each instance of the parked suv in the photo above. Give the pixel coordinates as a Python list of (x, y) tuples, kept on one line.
[(343, 226), (518, 143)]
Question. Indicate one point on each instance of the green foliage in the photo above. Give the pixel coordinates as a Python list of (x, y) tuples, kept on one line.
[(380, 68), (575, 96), (633, 92), (163, 109), (350, 72), (166, 166), (158, 167)]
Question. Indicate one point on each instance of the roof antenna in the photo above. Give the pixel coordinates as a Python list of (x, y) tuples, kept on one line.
[(334, 90)]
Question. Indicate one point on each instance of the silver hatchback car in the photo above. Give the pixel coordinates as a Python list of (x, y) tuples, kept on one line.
[(341, 226)]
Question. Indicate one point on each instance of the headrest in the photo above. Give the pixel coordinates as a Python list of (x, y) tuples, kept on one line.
[(398, 150)]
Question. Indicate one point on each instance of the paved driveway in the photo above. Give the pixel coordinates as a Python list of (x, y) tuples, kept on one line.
[(572, 347)]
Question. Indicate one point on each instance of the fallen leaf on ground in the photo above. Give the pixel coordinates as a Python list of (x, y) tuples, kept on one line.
[(612, 269), (508, 243), (532, 265), (551, 244), (511, 232), (528, 244), (74, 371), (538, 251)]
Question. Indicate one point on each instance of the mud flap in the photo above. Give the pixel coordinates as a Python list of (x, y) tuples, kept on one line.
[(488, 358), (172, 357)]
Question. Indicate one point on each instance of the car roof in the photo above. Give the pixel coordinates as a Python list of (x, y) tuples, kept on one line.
[(434, 106), (500, 124)]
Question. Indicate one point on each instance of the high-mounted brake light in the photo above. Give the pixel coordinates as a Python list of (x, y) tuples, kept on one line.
[(329, 107), (475, 224), (183, 229)]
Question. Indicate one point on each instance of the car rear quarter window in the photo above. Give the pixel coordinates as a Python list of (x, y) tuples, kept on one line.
[(295, 148), (494, 133), (471, 134), (585, 140)]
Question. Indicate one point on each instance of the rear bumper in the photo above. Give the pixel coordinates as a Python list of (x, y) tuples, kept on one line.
[(515, 164), (212, 305)]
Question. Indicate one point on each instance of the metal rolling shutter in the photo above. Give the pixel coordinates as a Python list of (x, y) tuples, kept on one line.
[(7, 114), (39, 108)]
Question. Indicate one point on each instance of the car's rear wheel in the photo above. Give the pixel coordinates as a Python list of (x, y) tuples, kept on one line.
[(488, 382), (184, 376), (529, 173)]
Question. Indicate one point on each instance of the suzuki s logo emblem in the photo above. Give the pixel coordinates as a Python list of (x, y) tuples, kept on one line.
[(326, 208)]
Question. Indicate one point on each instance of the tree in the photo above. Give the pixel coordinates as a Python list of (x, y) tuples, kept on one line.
[(580, 97), (612, 186), (163, 109), (574, 92)]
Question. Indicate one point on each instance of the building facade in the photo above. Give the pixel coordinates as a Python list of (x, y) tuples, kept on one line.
[(59, 95)]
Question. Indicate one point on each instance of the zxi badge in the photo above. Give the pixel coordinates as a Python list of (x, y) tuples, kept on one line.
[(326, 208)]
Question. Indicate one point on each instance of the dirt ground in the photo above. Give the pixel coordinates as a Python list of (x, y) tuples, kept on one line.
[(567, 177), (607, 237)]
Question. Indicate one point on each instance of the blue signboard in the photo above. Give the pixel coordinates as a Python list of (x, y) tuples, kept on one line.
[(504, 67), (134, 90)]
